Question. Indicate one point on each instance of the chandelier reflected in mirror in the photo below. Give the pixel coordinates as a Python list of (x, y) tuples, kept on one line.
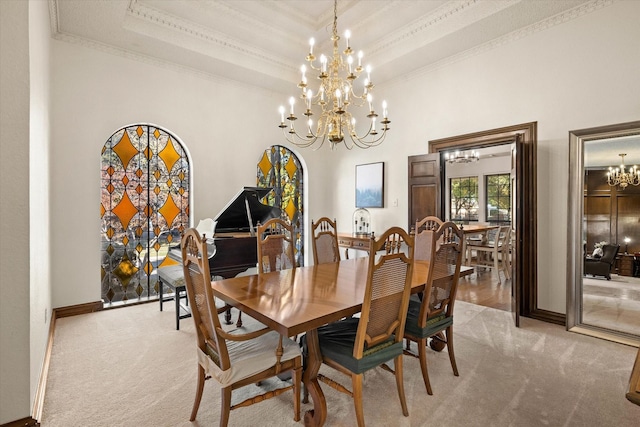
[(620, 176), (462, 157), (329, 110)]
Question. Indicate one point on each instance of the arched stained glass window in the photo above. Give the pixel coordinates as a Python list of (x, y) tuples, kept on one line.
[(144, 208), (281, 169)]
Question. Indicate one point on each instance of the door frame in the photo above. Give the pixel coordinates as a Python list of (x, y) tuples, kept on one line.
[(526, 277)]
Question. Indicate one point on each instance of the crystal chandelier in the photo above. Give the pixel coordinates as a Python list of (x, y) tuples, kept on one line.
[(333, 99), (459, 157), (619, 176)]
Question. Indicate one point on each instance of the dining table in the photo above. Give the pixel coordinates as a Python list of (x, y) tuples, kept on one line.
[(300, 300)]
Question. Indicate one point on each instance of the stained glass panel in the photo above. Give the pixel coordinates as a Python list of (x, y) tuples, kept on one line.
[(144, 209), (281, 169)]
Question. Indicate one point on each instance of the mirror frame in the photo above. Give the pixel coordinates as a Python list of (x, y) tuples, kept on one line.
[(577, 139)]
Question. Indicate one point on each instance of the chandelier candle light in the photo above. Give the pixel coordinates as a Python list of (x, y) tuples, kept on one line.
[(335, 95), (619, 176)]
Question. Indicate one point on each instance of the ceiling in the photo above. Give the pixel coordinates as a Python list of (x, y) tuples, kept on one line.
[(264, 42)]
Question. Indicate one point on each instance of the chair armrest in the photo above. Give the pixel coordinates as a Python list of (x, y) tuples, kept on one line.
[(242, 337)]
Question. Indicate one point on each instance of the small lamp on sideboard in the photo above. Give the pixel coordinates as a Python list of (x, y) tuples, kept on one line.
[(626, 245)]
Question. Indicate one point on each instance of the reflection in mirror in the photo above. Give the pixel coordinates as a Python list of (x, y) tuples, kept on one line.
[(604, 235)]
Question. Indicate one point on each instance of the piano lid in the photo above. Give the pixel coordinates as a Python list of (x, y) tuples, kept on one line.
[(234, 217)]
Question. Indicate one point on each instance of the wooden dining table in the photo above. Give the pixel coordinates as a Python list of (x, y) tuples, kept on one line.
[(300, 300)]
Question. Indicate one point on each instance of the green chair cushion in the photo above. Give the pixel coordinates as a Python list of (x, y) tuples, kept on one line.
[(434, 325), (336, 342)]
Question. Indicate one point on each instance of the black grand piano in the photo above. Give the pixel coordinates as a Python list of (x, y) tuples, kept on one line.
[(234, 241)]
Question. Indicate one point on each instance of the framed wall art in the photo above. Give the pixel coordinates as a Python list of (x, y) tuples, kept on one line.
[(370, 185)]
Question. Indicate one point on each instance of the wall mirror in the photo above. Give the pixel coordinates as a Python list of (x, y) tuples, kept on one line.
[(603, 297)]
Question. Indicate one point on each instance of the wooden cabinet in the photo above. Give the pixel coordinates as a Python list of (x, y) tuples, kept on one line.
[(625, 266), (349, 241)]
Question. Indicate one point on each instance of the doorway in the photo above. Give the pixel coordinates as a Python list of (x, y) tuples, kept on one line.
[(524, 275)]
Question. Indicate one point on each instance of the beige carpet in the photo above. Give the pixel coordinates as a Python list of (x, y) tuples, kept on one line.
[(130, 367)]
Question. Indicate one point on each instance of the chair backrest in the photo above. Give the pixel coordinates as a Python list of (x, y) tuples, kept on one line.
[(324, 238), (609, 253), (275, 246), (386, 296), (203, 308), (423, 239), (444, 272)]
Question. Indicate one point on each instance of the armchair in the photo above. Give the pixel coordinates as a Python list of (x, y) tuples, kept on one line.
[(602, 266)]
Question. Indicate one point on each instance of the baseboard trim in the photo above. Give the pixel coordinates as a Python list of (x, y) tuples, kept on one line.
[(56, 313), (24, 422), (74, 310), (548, 316)]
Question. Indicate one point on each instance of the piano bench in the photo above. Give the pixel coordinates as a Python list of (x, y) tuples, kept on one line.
[(173, 277)]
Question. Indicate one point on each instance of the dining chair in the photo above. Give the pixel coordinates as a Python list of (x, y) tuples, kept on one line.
[(233, 359), (355, 345), (494, 252), (324, 240), (422, 239), (434, 314), (276, 246)]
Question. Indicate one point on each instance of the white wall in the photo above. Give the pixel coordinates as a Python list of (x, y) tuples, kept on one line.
[(39, 173), (225, 127), (15, 399), (576, 75)]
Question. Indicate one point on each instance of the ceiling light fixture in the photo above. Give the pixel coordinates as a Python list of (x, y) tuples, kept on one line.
[(462, 157), (333, 100), (619, 176)]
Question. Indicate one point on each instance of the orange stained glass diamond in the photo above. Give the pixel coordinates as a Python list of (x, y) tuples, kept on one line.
[(139, 247), (157, 246), (125, 180), (264, 164), (157, 190), (110, 232), (148, 210), (169, 183), (139, 231), (102, 210), (139, 189), (181, 191), (125, 150), (125, 240), (169, 155), (156, 230), (148, 153), (291, 167), (139, 173), (125, 210), (139, 131), (290, 209), (181, 175), (157, 174), (170, 238), (148, 268), (111, 170), (169, 211), (156, 133), (110, 188)]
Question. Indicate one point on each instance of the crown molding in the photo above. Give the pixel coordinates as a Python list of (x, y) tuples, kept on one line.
[(516, 35)]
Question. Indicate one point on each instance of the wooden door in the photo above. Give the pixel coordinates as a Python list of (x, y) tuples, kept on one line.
[(517, 149), (424, 187)]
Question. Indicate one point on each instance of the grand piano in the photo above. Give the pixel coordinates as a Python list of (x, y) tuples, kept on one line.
[(234, 242)]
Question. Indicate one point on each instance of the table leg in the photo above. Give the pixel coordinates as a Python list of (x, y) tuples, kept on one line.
[(318, 415)]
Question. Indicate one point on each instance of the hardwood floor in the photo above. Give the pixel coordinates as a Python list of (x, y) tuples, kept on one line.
[(483, 288)]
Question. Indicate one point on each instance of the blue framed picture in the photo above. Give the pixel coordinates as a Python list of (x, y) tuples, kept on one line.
[(370, 185)]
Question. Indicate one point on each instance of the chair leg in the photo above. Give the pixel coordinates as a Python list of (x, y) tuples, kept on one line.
[(452, 356), (422, 354), (356, 380), (239, 322), (297, 380), (226, 406), (400, 384), (199, 389)]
